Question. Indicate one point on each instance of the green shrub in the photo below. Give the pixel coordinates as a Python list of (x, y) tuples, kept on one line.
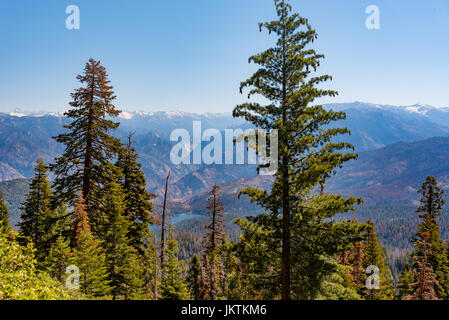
[(19, 278)]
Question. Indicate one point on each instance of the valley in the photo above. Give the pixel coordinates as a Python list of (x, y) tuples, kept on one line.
[(398, 147)]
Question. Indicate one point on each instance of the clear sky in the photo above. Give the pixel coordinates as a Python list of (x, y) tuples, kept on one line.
[(191, 55)]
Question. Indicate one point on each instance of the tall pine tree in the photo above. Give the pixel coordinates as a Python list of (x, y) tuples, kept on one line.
[(37, 216), (426, 284), (138, 209), (89, 146), (307, 154), (429, 210)]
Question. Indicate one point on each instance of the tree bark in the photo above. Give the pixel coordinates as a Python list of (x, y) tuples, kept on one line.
[(163, 220), (285, 258)]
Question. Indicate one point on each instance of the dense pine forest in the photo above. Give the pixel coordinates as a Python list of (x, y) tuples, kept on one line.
[(88, 229)]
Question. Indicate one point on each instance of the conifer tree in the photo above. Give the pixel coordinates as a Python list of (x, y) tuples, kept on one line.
[(194, 278), (59, 257), (37, 215), (215, 234), (375, 256), (308, 151), (354, 258), (4, 215), (163, 221), (429, 210), (426, 284), (172, 286), (209, 289), (88, 255), (138, 208), (338, 285), (148, 265), (212, 262), (61, 224), (89, 147), (123, 264), (406, 280)]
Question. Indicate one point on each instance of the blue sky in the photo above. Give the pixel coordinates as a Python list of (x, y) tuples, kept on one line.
[(191, 55)]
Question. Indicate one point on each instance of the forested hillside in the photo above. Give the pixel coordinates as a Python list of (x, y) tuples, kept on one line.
[(14, 192)]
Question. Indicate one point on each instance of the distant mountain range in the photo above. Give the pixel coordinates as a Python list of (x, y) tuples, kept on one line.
[(394, 173), (397, 147), (375, 126)]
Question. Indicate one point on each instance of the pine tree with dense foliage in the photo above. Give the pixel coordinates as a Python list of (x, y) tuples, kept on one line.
[(338, 285), (88, 255), (4, 215), (138, 209), (123, 263), (194, 278), (172, 286), (138, 206), (375, 256), (89, 146), (429, 211), (59, 258), (37, 218), (406, 280), (308, 151), (426, 285)]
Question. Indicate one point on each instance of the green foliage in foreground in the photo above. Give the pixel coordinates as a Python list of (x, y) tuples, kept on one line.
[(337, 286), (19, 279), (172, 286)]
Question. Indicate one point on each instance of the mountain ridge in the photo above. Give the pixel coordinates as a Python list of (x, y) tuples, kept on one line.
[(24, 138)]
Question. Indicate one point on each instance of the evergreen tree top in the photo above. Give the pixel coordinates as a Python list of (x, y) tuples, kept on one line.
[(97, 91), (89, 145), (432, 197), (285, 68)]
